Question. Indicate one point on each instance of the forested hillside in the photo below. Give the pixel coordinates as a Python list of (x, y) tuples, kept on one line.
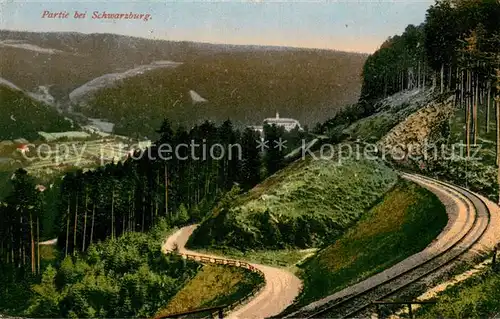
[(454, 53), (456, 48), (132, 195), (246, 87), (118, 278), (21, 116), (243, 83), (66, 60), (112, 204)]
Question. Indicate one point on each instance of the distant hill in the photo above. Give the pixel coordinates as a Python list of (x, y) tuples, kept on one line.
[(244, 87), (22, 117), (66, 60), (243, 83)]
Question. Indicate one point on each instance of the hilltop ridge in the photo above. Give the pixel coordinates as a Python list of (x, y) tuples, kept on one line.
[(242, 83)]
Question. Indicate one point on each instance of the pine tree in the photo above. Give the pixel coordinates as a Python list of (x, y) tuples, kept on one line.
[(250, 175), (67, 229), (76, 224), (275, 154), (21, 202), (84, 238)]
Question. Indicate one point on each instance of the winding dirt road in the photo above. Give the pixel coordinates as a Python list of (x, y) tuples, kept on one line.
[(281, 286)]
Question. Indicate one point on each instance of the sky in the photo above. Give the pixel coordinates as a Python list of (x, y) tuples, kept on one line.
[(358, 26)]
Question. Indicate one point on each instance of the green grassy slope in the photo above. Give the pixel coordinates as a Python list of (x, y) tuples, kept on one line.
[(307, 204), (213, 285), (405, 221), (477, 297), (29, 116)]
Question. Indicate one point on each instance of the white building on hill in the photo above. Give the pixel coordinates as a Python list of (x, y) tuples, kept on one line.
[(288, 124)]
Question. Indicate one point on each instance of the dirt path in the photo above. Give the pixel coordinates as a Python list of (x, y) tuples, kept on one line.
[(48, 242), (279, 292)]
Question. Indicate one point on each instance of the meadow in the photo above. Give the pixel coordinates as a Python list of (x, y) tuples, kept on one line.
[(403, 223), (307, 204)]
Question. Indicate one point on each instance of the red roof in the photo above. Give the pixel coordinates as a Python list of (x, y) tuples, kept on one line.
[(23, 148)]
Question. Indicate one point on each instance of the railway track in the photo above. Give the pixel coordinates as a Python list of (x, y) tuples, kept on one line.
[(475, 226)]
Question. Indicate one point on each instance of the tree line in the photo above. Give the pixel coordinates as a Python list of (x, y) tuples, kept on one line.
[(456, 49), (458, 36), (131, 195), (20, 227), (127, 277), (454, 52), (23, 117)]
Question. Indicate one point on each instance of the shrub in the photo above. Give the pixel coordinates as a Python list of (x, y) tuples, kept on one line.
[(124, 277)]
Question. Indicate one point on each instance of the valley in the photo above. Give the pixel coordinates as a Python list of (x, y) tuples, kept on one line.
[(361, 184), (229, 77)]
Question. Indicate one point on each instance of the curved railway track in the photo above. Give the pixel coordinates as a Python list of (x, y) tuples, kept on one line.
[(351, 305)]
